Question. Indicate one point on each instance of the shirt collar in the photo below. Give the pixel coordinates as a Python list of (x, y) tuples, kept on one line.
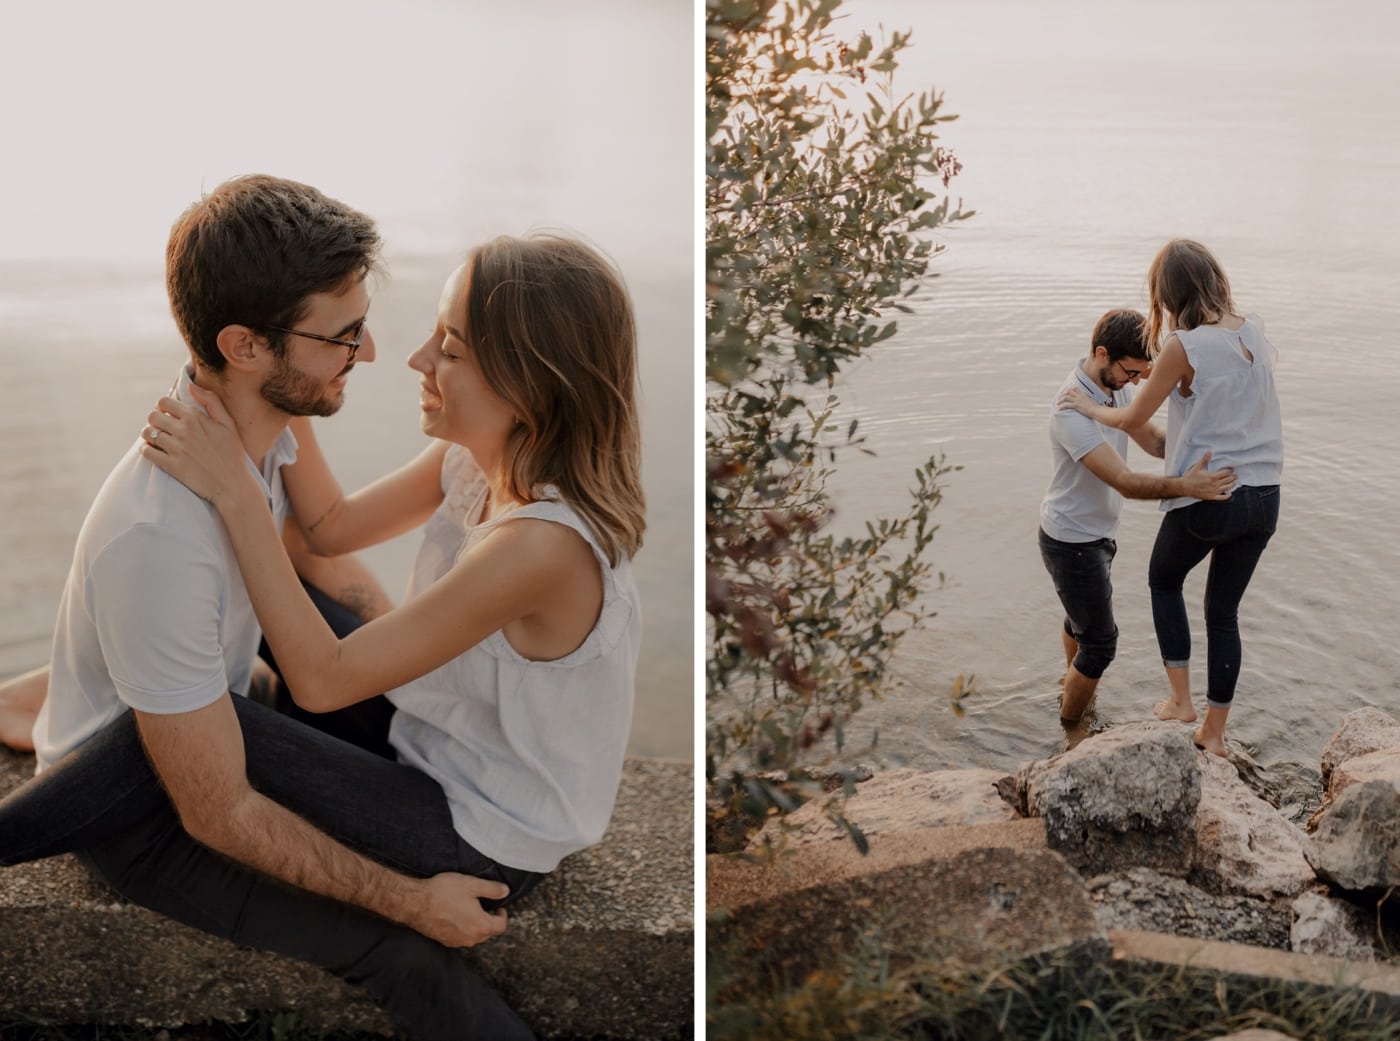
[(282, 452), (1094, 390)]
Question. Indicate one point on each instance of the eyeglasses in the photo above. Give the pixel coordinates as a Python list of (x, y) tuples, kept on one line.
[(358, 332), (1131, 374)]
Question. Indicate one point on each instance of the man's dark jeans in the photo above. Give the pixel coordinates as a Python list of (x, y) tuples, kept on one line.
[(105, 801), (1080, 571)]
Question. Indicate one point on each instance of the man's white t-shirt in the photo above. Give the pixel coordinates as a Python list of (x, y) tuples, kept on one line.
[(155, 615), (1078, 507)]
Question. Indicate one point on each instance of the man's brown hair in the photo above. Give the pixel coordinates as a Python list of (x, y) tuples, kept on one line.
[(252, 252)]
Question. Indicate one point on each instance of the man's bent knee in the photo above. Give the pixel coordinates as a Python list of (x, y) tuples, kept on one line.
[(1095, 655)]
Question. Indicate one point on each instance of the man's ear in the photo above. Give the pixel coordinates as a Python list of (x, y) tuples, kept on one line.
[(1100, 353), (240, 346)]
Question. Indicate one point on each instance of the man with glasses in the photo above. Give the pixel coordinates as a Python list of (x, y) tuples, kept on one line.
[(156, 637), (1079, 514)]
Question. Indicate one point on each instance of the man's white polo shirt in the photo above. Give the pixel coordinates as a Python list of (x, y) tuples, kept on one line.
[(1079, 507), (155, 615)]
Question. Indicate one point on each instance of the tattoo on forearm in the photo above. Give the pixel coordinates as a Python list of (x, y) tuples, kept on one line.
[(329, 510)]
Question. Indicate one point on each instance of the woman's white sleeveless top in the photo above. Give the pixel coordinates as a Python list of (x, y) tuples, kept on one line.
[(529, 753), (1233, 409)]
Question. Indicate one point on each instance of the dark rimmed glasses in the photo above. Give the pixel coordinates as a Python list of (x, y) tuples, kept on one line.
[(1132, 374), (358, 332)]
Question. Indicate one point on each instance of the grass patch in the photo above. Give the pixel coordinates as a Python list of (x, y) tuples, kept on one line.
[(1055, 1000)]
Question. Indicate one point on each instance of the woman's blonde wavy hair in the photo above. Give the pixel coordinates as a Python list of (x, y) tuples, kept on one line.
[(1186, 287), (551, 325)]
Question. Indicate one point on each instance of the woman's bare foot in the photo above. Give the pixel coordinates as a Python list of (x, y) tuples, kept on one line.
[(1170, 708), (1214, 745), (1211, 734)]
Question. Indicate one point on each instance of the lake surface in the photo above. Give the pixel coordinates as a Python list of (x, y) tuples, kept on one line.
[(1092, 133), (449, 124)]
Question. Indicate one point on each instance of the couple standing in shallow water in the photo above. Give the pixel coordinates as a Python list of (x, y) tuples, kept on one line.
[(1215, 368), (424, 765)]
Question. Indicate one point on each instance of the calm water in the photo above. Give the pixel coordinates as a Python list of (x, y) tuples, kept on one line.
[(1092, 133), (449, 126)]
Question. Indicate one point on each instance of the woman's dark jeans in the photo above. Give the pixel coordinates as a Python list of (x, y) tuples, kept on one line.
[(105, 802), (1233, 534)]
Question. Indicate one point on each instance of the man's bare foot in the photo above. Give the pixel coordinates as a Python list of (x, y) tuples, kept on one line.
[(17, 728), (1170, 709), (1214, 745), (21, 697)]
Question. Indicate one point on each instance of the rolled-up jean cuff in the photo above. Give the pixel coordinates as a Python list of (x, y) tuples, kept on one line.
[(1212, 703), (1183, 664)]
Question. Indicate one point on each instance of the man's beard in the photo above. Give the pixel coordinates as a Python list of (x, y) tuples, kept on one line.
[(297, 394), (1107, 379)]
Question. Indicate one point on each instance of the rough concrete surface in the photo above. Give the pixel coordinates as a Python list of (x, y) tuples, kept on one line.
[(604, 948)]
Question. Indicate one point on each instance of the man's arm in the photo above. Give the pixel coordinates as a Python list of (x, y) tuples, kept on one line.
[(1152, 439), (335, 524), (200, 760), (1107, 465)]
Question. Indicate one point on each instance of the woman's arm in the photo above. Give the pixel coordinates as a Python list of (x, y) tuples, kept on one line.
[(1170, 368), (334, 524), (513, 573)]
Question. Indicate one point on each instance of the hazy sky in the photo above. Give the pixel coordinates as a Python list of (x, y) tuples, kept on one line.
[(443, 119)]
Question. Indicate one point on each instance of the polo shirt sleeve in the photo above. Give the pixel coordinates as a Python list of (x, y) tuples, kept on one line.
[(156, 597), (1076, 433)]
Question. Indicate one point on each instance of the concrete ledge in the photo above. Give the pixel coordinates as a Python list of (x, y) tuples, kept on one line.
[(1382, 982), (603, 949)]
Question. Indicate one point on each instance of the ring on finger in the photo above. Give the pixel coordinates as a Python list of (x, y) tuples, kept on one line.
[(152, 433)]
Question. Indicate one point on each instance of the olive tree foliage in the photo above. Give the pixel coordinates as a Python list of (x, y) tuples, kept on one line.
[(821, 190)]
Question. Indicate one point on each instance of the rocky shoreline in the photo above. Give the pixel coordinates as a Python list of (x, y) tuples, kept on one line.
[(1166, 838)]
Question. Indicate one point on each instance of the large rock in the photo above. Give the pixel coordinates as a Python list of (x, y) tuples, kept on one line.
[(1243, 845), (1382, 765), (981, 905), (1294, 789), (1357, 842), (1150, 901), (603, 948), (898, 800), (1326, 925), (1123, 798), (1362, 731)]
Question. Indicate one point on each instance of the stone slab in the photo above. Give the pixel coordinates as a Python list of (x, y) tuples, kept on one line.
[(734, 881), (1381, 981), (897, 801), (604, 948), (975, 908)]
